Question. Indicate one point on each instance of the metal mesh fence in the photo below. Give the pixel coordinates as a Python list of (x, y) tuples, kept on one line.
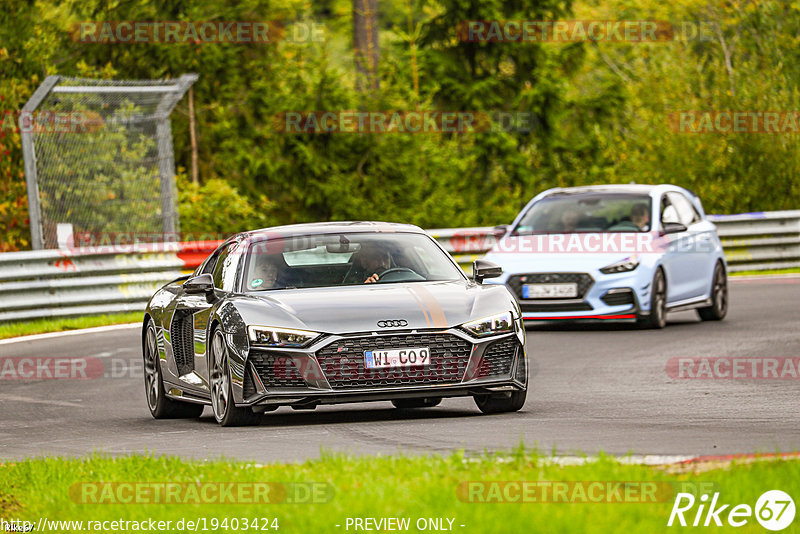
[(99, 158)]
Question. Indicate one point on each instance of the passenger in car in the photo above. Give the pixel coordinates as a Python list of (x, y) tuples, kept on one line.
[(268, 273)]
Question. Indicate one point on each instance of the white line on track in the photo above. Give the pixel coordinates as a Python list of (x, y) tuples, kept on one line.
[(50, 335), (631, 459), (649, 459)]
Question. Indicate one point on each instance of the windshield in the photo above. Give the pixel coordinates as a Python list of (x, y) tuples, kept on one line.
[(346, 259), (587, 212)]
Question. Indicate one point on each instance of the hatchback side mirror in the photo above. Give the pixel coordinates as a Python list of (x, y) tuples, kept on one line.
[(483, 269), (500, 230), (199, 285), (674, 227)]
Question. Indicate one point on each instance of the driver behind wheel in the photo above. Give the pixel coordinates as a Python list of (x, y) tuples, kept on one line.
[(640, 216), (371, 261)]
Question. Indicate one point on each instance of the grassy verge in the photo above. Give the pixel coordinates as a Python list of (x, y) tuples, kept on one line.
[(791, 270), (375, 487), (41, 326)]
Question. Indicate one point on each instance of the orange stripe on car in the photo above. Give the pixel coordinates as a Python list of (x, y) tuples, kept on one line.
[(435, 309), (421, 305)]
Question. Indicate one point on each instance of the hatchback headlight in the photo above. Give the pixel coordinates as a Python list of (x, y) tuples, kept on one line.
[(267, 336), (623, 266), (495, 324)]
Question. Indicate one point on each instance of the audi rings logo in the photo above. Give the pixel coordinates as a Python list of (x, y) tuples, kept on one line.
[(393, 323)]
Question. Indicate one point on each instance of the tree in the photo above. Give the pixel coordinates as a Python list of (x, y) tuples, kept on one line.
[(365, 43)]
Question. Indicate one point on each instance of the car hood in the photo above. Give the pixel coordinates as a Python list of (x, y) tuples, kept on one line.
[(514, 258), (552, 263), (422, 305)]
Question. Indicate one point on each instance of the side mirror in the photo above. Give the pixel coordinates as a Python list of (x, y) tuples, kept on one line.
[(674, 227), (483, 269), (500, 230), (199, 285)]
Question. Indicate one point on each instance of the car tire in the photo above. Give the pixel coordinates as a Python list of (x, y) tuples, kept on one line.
[(161, 406), (501, 403), (410, 404), (719, 297), (658, 303), (225, 410)]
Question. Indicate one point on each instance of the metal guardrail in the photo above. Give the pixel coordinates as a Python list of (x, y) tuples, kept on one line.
[(752, 241), (60, 283)]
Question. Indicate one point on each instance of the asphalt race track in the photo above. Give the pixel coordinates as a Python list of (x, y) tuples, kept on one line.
[(594, 388)]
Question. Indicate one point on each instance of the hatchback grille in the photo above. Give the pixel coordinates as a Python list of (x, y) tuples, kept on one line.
[(181, 335), (555, 306), (274, 369), (342, 361), (584, 281), (498, 358)]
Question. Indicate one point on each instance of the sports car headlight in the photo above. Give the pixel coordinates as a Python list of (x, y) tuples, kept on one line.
[(267, 336), (623, 266), (496, 324)]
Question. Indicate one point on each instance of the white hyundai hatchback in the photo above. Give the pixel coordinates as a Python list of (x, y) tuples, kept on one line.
[(613, 252)]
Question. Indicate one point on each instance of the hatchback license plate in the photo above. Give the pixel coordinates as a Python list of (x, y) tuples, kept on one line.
[(397, 358), (549, 291)]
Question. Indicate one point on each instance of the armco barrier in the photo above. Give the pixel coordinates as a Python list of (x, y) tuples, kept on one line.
[(752, 241), (58, 283)]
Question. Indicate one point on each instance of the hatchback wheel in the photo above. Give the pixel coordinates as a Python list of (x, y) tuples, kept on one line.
[(658, 303), (719, 297)]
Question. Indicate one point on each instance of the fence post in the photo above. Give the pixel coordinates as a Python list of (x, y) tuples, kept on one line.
[(29, 157), (166, 155)]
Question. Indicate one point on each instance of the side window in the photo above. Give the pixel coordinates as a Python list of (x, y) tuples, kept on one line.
[(687, 215), (210, 263), (225, 269)]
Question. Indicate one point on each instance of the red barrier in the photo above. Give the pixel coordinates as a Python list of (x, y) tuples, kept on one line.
[(192, 253)]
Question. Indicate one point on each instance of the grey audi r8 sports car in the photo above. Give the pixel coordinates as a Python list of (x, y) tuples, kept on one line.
[(329, 313)]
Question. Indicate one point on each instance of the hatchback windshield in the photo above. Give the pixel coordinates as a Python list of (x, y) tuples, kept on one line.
[(587, 212), (346, 259)]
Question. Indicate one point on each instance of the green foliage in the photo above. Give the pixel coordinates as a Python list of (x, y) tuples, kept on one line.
[(600, 111), (60, 324), (217, 208)]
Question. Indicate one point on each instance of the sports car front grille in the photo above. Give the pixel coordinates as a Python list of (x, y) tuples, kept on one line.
[(584, 281), (342, 361), (498, 357), (274, 369), (181, 334), (520, 371)]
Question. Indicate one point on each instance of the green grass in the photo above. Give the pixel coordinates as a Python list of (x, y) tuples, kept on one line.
[(41, 326), (790, 270), (383, 486)]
